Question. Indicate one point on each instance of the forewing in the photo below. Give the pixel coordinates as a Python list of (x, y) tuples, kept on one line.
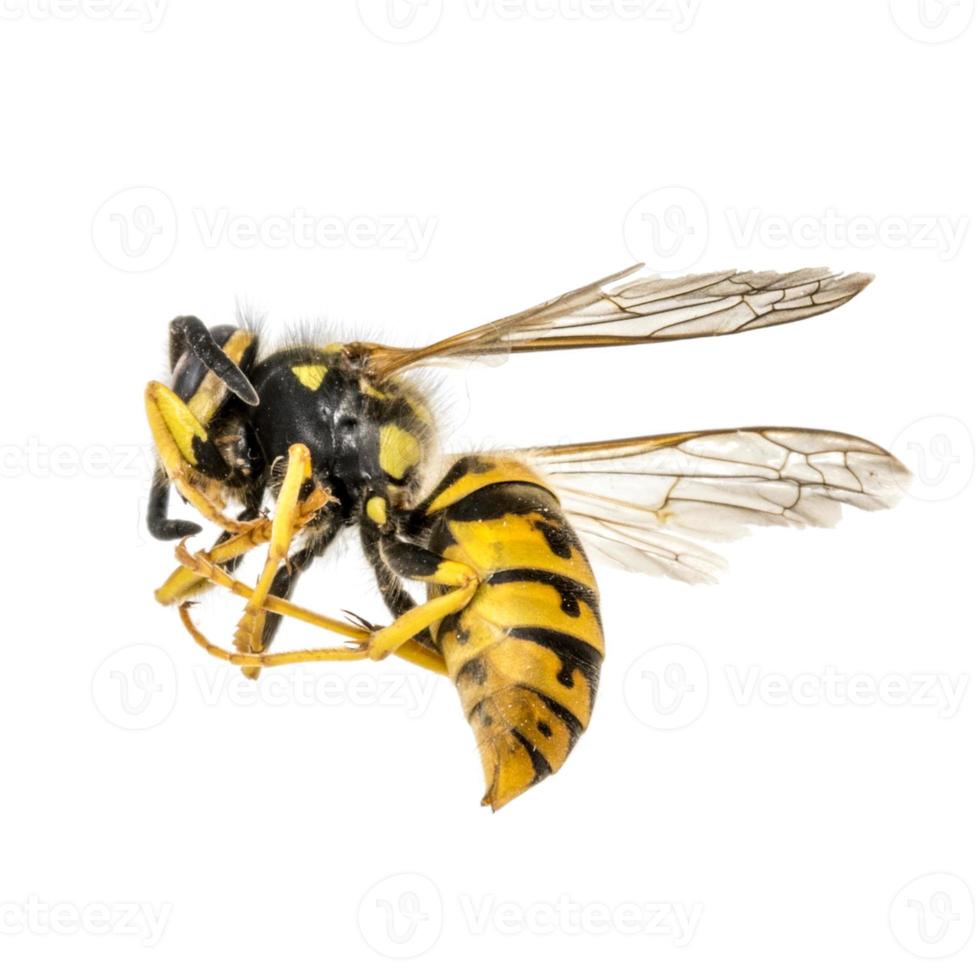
[(643, 503), (626, 309)]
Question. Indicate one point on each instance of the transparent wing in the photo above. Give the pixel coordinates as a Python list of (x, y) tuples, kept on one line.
[(626, 309), (644, 503)]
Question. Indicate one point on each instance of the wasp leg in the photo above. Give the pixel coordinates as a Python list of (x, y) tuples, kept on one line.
[(190, 460), (228, 551), (256, 661), (299, 470), (414, 562), (412, 652), (289, 573)]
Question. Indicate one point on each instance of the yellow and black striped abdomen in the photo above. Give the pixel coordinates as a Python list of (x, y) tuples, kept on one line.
[(525, 652)]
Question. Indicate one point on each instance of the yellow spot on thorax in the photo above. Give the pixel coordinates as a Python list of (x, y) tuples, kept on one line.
[(399, 450), (368, 389), (377, 510), (310, 375)]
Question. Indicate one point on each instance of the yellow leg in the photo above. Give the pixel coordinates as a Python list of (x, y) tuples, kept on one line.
[(183, 582), (179, 437), (248, 636), (203, 568), (463, 582)]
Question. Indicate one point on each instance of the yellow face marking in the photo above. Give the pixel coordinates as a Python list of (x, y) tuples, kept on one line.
[(399, 451), (377, 510), (310, 375)]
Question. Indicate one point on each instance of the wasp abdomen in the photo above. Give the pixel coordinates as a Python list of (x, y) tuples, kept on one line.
[(525, 652)]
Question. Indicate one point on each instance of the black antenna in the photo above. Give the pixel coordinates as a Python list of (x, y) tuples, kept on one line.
[(190, 332)]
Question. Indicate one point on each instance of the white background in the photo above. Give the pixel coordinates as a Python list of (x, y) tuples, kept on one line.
[(798, 834)]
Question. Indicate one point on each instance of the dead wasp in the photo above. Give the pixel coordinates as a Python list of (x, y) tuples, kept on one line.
[(340, 438)]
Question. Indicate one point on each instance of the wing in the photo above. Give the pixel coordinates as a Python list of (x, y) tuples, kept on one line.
[(643, 503), (624, 309)]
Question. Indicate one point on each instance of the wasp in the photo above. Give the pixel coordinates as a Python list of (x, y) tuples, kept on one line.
[(340, 437)]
